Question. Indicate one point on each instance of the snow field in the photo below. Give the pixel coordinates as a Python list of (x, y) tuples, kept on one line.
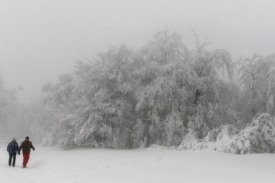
[(155, 165)]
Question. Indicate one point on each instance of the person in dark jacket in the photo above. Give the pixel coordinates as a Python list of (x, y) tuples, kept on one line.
[(26, 147), (12, 149)]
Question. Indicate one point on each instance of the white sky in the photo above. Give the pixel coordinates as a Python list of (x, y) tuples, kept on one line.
[(41, 39)]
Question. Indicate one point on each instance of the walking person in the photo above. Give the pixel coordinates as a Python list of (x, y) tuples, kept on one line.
[(26, 147), (12, 149)]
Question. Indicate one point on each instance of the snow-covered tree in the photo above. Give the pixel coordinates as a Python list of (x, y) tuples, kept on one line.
[(125, 99), (257, 80), (184, 83), (96, 101)]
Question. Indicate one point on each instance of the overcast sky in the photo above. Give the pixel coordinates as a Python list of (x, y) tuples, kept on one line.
[(41, 39)]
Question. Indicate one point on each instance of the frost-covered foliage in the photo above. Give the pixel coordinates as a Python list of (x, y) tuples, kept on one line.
[(258, 137), (257, 80), (226, 131), (270, 104), (191, 142), (218, 139), (129, 99), (184, 84), (95, 103)]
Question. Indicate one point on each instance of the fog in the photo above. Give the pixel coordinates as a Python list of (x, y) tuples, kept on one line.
[(40, 40)]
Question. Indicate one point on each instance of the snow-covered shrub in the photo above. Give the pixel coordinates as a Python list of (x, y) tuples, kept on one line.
[(191, 141), (219, 139), (218, 133), (258, 137), (212, 135)]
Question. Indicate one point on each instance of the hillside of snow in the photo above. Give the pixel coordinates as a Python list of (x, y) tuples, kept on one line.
[(153, 165)]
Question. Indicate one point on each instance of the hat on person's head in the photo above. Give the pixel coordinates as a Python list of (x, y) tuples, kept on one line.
[(27, 137)]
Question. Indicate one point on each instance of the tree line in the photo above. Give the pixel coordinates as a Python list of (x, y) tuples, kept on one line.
[(126, 98)]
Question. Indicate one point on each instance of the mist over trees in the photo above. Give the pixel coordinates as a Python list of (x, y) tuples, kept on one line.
[(163, 93), (7, 106), (18, 120)]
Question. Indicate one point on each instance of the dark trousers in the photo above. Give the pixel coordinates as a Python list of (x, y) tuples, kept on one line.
[(12, 158)]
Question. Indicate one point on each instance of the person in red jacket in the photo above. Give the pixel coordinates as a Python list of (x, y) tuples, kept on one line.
[(26, 147)]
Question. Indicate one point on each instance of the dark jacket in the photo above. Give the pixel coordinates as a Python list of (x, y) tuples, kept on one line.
[(26, 146), (13, 147)]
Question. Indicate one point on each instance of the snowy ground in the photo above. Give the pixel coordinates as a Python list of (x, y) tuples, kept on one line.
[(155, 165)]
